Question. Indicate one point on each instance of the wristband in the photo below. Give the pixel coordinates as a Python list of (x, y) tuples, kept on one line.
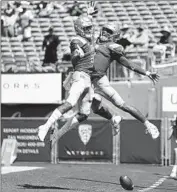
[(148, 73)]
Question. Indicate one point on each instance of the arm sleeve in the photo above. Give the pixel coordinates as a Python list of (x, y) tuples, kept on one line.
[(130, 65), (116, 50)]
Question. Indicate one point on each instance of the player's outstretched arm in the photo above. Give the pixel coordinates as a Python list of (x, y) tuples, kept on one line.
[(119, 56), (132, 66), (154, 77)]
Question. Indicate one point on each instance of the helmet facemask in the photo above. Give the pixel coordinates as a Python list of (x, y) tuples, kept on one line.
[(88, 32), (107, 34)]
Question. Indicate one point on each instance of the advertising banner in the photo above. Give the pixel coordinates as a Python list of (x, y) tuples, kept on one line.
[(31, 88), (169, 99), (166, 100), (29, 147), (136, 146), (27, 110), (91, 140)]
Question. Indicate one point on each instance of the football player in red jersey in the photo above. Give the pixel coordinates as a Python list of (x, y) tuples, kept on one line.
[(81, 90), (82, 60), (106, 52)]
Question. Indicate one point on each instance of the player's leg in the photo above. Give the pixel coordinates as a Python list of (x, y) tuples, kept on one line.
[(104, 111), (150, 128), (110, 93), (84, 104), (77, 88)]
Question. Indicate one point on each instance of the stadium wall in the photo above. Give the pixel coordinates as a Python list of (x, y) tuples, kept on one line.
[(157, 101), (148, 99), (137, 93)]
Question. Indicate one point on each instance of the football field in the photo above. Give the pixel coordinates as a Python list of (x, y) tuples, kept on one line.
[(87, 177)]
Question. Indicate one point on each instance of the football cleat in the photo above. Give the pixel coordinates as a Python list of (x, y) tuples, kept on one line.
[(42, 132), (152, 130), (115, 121), (54, 137)]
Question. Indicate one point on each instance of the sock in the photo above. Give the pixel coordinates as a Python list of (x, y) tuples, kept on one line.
[(112, 119), (174, 171), (70, 124), (55, 116), (115, 120), (146, 123), (101, 109), (104, 112)]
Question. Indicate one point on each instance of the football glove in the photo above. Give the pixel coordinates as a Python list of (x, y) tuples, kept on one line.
[(91, 8), (79, 51), (153, 76)]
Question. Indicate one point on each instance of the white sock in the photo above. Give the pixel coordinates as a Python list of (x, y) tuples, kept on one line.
[(112, 120), (174, 171), (146, 123), (55, 116), (70, 124)]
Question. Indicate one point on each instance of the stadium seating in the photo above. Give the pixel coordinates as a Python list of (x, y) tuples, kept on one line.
[(153, 14)]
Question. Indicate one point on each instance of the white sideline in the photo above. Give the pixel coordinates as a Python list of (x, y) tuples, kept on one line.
[(155, 185), (13, 169)]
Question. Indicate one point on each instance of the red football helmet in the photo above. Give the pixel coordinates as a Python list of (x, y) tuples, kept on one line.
[(109, 32)]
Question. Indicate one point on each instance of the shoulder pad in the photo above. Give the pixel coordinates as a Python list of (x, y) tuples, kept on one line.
[(116, 47), (79, 40)]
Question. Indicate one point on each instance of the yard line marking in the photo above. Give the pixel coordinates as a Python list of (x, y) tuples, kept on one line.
[(13, 169), (155, 185)]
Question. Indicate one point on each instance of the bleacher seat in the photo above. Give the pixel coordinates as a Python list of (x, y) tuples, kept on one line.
[(153, 14)]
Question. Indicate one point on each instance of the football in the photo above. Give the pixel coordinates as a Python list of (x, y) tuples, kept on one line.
[(126, 183)]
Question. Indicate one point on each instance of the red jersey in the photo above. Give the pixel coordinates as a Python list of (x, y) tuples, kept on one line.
[(85, 63), (105, 54)]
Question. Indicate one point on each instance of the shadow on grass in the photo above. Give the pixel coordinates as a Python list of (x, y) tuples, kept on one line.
[(27, 186), (95, 181), (135, 186)]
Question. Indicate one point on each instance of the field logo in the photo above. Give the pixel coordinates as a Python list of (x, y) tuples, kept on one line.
[(85, 133)]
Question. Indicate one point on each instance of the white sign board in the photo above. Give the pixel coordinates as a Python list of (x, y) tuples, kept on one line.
[(31, 88), (169, 99), (9, 151)]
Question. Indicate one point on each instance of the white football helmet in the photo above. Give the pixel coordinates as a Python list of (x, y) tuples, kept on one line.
[(84, 27)]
